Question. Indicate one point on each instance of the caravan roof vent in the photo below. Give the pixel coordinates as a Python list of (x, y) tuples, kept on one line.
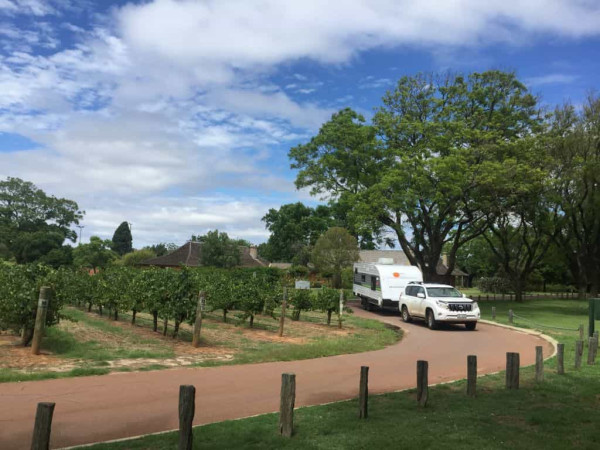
[(386, 261)]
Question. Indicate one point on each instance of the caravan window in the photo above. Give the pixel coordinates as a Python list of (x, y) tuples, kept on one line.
[(375, 283), (363, 278)]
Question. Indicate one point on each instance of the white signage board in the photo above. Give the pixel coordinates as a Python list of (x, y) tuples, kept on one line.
[(302, 284)]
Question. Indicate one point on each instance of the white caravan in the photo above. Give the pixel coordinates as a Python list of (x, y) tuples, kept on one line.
[(381, 283)]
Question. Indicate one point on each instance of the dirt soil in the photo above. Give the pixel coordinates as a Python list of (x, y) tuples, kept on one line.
[(220, 342)]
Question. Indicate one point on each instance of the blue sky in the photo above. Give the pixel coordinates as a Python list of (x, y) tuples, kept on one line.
[(177, 116)]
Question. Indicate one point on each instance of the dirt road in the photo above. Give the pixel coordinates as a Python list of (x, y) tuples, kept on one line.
[(91, 409)]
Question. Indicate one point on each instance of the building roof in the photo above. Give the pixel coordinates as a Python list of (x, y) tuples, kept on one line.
[(190, 254), (399, 257)]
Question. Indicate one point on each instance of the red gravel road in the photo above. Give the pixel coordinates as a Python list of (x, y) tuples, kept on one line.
[(92, 409)]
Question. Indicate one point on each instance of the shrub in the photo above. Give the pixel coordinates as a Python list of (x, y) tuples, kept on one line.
[(300, 299), (495, 285)]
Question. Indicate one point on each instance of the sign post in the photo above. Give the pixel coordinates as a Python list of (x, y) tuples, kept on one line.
[(594, 314)]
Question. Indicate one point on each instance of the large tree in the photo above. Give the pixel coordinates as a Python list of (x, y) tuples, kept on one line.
[(97, 254), (122, 241), (575, 148), (32, 223), (416, 169)]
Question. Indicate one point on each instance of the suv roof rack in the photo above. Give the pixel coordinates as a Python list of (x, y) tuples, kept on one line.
[(415, 282)]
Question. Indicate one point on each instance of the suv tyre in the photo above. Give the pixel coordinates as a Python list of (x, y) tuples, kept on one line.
[(405, 315), (431, 322), (471, 326)]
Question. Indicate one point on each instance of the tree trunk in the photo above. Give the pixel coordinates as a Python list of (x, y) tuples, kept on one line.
[(154, 321), (251, 320), (595, 287), (165, 325), (116, 314), (176, 329), (90, 307), (100, 309), (26, 336), (336, 280), (133, 313), (518, 285), (329, 316), (225, 315)]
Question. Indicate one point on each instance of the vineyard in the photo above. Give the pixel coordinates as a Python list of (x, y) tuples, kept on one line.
[(125, 313)]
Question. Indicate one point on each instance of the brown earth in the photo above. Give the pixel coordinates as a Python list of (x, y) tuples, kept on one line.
[(93, 409)]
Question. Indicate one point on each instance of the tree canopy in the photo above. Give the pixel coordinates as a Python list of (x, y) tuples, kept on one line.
[(34, 224), (335, 250), (417, 168), (219, 250), (122, 241)]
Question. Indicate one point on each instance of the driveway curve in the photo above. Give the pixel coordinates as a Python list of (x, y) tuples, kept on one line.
[(99, 408)]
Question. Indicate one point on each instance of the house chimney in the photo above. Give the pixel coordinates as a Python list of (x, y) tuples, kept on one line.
[(254, 252)]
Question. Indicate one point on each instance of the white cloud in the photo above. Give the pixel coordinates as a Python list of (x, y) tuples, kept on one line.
[(551, 78), (171, 96)]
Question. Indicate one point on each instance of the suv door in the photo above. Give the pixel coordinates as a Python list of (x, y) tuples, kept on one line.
[(419, 302), (410, 300)]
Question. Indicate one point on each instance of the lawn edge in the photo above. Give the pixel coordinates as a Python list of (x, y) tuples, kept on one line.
[(547, 338)]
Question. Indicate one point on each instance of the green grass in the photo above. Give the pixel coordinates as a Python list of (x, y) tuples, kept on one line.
[(562, 412), (8, 375)]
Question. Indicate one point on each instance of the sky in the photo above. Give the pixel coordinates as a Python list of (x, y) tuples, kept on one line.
[(177, 115)]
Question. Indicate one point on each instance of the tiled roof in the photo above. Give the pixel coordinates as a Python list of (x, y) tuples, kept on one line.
[(190, 254)]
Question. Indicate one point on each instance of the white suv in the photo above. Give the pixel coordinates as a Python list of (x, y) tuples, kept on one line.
[(437, 303)]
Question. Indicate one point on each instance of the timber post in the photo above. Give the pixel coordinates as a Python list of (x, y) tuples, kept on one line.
[(581, 332), (198, 323), (560, 359), (283, 307), (512, 370), (286, 404), (592, 348), (493, 313), (363, 393), (578, 353), (422, 383), (471, 375), (40, 320), (42, 427), (539, 364), (510, 316), (187, 407), (341, 308)]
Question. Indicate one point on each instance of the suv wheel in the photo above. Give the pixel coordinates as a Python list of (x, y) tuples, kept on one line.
[(471, 326), (405, 315), (431, 322)]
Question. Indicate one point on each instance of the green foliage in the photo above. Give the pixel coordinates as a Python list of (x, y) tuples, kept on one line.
[(301, 300), (496, 285), (219, 250), (19, 294), (97, 254), (335, 250), (137, 256), (417, 168), (122, 239), (33, 224), (162, 248)]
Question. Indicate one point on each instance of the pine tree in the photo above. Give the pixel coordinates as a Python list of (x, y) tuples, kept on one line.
[(122, 240)]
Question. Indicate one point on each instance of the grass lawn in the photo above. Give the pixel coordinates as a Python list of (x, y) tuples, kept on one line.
[(562, 412), (87, 344)]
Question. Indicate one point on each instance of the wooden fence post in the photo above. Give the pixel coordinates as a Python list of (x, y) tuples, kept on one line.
[(40, 320), (510, 316), (283, 307), (560, 359), (341, 308), (578, 353), (198, 323), (512, 370), (422, 383), (493, 313), (539, 364), (286, 405), (42, 427), (363, 393), (592, 348), (471, 375), (187, 408), (581, 332)]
